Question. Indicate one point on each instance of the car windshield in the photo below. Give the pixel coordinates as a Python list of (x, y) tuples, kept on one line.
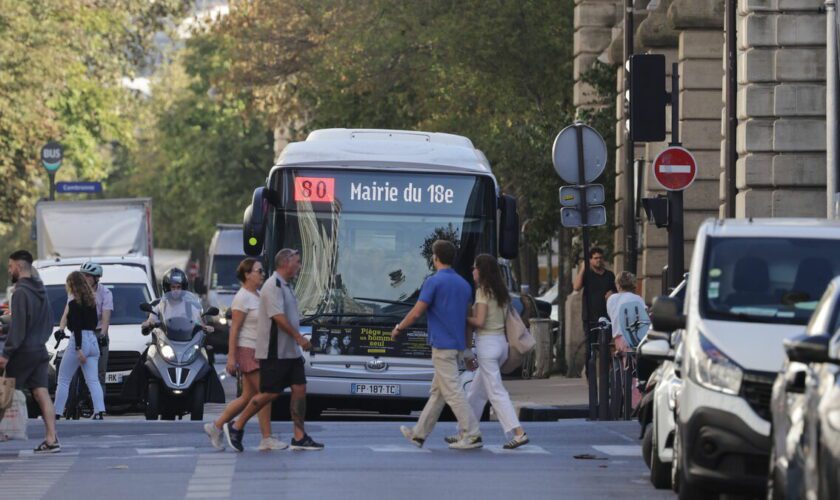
[(223, 275), (127, 298), (180, 314), (767, 280)]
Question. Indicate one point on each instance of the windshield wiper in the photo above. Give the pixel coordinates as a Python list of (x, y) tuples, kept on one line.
[(309, 319), (385, 301)]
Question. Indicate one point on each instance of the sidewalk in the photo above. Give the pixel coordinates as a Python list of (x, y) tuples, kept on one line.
[(549, 399)]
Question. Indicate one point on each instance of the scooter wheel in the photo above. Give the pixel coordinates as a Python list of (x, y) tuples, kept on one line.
[(152, 401)]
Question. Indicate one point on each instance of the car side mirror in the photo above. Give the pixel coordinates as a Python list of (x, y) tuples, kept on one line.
[(666, 314), (213, 311), (657, 350), (655, 335), (509, 227), (146, 307), (808, 348)]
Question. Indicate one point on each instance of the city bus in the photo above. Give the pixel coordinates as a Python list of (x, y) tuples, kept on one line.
[(363, 207)]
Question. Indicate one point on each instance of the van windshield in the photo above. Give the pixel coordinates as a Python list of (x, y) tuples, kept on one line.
[(766, 280), (223, 274)]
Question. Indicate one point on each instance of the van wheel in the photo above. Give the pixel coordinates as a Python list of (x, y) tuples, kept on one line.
[(647, 444), (660, 473), (197, 404), (152, 401)]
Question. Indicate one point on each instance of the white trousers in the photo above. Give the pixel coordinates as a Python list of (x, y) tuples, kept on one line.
[(492, 351)]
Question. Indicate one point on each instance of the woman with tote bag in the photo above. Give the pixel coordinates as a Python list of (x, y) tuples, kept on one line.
[(488, 318)]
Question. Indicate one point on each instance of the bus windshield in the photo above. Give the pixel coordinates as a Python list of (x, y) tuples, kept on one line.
[(366, 237)]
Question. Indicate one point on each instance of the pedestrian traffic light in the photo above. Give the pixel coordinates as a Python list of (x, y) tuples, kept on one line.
[(647, 97), (656, 210)]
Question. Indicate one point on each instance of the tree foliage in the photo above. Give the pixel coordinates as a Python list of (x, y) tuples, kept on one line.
[(498, 72), (61, 62)]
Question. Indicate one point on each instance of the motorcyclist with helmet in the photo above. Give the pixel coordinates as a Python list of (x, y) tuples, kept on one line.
[(92, 272), (177, 300)]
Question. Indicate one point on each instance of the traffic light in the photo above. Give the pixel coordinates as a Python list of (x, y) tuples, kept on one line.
[(647, 97)]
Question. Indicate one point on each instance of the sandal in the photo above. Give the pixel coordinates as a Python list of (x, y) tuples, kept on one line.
[(46, 447)]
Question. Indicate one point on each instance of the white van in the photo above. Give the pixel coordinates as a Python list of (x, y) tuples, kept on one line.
[(755, 283), (130, 285)]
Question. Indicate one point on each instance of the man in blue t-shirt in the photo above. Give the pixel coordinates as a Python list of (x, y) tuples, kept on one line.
[(445, 299)]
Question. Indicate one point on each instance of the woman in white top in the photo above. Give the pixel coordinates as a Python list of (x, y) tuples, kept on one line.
[(241, 356), (488, 318)]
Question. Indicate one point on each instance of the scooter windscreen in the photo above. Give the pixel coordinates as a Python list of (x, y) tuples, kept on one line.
[(181, 315)]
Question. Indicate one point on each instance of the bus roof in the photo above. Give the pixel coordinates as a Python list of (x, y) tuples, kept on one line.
[(387, 149)]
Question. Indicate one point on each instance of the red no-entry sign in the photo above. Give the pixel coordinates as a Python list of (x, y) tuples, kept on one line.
[(675, 168)]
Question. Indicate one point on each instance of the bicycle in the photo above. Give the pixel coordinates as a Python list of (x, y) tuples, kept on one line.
[(79, 403)]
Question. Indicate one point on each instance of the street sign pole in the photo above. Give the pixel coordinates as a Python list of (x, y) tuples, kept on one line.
[(676, 237), (51, 175), (593, 396)]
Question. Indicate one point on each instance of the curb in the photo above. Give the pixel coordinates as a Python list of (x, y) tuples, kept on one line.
[(547, 413)]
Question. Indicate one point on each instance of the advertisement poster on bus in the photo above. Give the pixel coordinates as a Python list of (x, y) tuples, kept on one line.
[(369, 341)]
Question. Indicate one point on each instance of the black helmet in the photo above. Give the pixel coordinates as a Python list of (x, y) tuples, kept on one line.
[(176, 276)]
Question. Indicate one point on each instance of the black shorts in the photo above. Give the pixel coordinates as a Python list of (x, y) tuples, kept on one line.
[(29, 369), (277, 374)]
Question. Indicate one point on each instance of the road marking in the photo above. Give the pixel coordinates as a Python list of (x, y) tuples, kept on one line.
[(530, 449), (398, 448), (32, 477), (212, 477), (620, 450), (156, 451), (31, 453)]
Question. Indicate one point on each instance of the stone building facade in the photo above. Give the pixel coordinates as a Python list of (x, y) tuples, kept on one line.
[(781, 106), (781, 134)]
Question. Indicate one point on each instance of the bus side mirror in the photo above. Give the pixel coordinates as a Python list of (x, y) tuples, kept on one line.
[(508, 227), (254, 221)]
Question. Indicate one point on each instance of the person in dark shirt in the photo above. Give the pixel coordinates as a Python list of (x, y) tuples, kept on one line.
[(83, 348), (599, 283)]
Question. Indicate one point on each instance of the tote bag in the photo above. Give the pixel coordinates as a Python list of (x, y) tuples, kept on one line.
[(518, 336)]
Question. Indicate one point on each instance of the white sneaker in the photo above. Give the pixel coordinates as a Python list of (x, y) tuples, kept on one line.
[(409, 434), (272, 443), (215, 435), (467, 443)]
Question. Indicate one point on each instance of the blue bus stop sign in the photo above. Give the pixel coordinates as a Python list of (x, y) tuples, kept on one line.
[(51, 155)]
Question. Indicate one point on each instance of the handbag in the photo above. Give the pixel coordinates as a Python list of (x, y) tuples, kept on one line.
[(518, 336), (7, 392), (520, 341)]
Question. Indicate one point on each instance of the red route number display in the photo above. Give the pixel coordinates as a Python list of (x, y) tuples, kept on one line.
[(315, 189)]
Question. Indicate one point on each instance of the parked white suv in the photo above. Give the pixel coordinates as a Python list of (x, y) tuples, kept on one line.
[(754, 283), (131, 285)]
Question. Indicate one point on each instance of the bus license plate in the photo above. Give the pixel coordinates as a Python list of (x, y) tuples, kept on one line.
[(375, 389), (116, 377)]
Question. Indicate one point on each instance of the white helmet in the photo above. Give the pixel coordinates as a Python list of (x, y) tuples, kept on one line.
[(91, 268)]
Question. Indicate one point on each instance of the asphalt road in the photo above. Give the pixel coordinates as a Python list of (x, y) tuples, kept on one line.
[(134, 459)]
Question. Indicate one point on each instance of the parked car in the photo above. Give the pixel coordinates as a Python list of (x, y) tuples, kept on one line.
[(805, 452), (656, 411), (130, 284), (758, 282)]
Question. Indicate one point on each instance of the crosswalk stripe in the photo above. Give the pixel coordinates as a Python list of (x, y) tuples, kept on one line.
[(398, 448), (529, 449), (212, 477), (31, 477), (156, 451), (632, 450)]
